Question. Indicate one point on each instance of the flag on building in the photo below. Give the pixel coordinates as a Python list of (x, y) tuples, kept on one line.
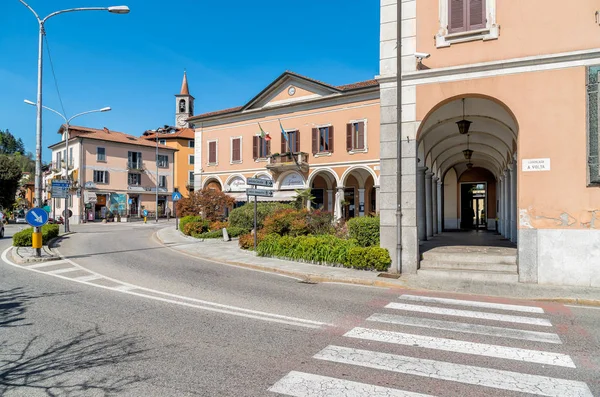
[(285, 135), (264, 134)]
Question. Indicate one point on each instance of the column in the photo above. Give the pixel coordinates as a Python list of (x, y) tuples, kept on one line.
[(513, 203), (499, 211), (330, 200), (506, 206), (440, 186), (428, 204), (421, 213), (434, 203), (361, 202), (339, 197), (308, 205), (376, 198)]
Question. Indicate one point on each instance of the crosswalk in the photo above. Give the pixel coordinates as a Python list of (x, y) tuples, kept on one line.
[(405, 325)]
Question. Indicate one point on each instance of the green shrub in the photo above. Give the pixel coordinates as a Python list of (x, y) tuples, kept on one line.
[(365, 230), (287, 222), (378, 258), (23, 238), (235, 231), (195, 228), (211, 234), (187, 219), (243, 217), (320, 222)]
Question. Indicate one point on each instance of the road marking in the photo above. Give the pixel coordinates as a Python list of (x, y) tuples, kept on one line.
[(88, 278), (512, 333), (61, 271), (467, 374), (471, 314), (124, 287), (198, 304), (584, 307), (45, 264), (487, 305), (300, 384), (457, 346)]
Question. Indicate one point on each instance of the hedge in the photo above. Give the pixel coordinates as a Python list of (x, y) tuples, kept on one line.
[(188, 219), (365, 230), (232, 231), (325, 250), (23, 238), (243, 217)]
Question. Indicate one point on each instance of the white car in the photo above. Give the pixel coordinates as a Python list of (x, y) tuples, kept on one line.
[(20, 219)]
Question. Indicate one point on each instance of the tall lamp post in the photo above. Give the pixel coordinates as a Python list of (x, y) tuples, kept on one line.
[(38, 129), (162, 130), (67, 158)]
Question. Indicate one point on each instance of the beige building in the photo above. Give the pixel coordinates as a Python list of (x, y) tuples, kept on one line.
[(489, 115), (113, 172)]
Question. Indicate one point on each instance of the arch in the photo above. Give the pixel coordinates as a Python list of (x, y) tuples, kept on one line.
[(284, 175), (212, 179), (330, 179), (232, 177), (360, 178)]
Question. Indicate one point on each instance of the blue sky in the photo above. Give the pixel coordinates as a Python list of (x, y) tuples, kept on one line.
[(134, 63)]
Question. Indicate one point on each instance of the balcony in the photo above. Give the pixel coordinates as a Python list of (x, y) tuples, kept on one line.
[(135, 166), (288, 161)]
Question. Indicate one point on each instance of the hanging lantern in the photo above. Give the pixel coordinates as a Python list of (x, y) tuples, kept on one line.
[(467, 153), (469, 165), (463, 126)]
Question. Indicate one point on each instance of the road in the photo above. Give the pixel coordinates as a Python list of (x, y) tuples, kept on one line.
[(126, 316)]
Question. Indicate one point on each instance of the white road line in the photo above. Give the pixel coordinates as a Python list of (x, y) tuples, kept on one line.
[(487, 377), (124, 288), (487, 305), (502, 332), (88, 278), (61, 271), (45, 264), (471, 314), (584, 307), (301, 384), (457, 346)]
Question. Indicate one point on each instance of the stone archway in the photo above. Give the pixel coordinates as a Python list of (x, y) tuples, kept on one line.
[(323, 184)]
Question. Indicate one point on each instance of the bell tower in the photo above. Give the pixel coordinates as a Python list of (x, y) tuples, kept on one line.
[(184, 104)]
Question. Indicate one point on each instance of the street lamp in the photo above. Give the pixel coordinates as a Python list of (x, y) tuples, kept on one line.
[(67, 124), (159, 130), (38, 129)]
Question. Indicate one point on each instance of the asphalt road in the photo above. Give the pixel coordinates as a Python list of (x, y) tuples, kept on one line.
[(196, 328)]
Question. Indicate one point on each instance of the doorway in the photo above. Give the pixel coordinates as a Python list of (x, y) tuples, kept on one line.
[(473, 206)]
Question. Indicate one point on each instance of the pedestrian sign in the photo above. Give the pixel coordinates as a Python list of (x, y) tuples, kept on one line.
[(36, 217), (176, 196), (145, 213)]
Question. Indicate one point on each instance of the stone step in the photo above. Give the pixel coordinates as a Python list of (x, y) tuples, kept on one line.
[(469, 257), (500, 277), (493, 267)]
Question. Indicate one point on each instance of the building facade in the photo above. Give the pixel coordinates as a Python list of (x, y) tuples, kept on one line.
[(302, 134), (113, 173), (487, 113)]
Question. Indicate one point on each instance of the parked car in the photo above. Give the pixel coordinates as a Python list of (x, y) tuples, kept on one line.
[(20, 218)]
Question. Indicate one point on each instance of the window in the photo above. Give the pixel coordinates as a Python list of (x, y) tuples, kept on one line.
[(134, 179), (212, 153), (466, 20), (322, 140), (191, 178), (162, 181), (293, 142), (162, 141), (134, 160), (261, 147), (58, 161), (100, 154), (163, 161), (182, 106), (100, 176), (191, 144), (236, 150), (191, 159), (356, 136)]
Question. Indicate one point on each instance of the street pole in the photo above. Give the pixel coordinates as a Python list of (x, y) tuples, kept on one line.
[(156, 212), (255, 230), (66, 211)]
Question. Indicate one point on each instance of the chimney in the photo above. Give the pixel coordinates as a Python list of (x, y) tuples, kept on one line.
[(106, 130)]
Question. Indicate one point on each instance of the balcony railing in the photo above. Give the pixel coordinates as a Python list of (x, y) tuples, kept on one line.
[(135, 165), (288, 161)]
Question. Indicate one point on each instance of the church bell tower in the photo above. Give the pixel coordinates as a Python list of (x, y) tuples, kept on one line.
[(184, 103)]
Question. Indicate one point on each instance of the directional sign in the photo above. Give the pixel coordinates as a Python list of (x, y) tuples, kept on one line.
[(36, 217), (260, 182), (60, 189), (145, 212), (176, 196), (259, 192)]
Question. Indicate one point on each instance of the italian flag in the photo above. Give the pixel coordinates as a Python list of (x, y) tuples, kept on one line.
[(264, 134)]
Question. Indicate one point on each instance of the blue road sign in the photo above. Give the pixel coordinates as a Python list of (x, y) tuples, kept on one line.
[(36, 217), (176, 196), (145, 212)]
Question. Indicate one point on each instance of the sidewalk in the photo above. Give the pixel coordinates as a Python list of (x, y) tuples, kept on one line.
[(230, 253)]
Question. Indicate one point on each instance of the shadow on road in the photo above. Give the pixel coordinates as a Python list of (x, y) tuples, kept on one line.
[(13, 304)]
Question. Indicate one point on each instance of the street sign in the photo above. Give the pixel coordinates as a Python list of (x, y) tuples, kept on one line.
[(67, 214), (260, 182), (259, 192), (145, 212), (60, 189), (36, 217), (176, 196)]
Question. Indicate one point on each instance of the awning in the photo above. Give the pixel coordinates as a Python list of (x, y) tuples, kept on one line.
[(89, 197), (278, 195)]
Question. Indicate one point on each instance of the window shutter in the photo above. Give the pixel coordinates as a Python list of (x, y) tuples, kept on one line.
[(330, 143), (297, 135), (361, 136), (348, 137), (236, 150), (477, 19), (212, 152), (315, 141), (255, 147), (283, 144), (458, 16), (268, 148)]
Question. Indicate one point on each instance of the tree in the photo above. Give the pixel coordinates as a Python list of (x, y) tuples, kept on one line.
[(303, 196), (9, 144), (209, 203), (10, 175)]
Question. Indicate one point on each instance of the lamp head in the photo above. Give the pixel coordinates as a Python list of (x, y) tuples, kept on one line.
[(27, 101), (119, 9), (106, 109)]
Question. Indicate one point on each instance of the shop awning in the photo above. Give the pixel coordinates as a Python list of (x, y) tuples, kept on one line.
[(278, 195), (89, 197)]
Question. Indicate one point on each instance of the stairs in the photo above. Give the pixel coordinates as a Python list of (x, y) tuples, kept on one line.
[(470, 263)]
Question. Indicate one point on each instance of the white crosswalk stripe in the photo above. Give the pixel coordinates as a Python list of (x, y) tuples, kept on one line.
[(61, 271), (303, 384)]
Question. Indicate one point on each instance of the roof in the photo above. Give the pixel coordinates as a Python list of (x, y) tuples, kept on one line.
[(286, 74), (184, 85), (107, 135), (181, 133)]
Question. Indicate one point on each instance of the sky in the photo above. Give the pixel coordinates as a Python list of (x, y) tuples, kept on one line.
[(134, 63)]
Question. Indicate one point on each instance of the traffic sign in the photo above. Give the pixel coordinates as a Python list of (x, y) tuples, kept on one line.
[(260, 182), (60, 189), (36, 217), (176, 196), (259, 192), (67, 214), (145, 212)]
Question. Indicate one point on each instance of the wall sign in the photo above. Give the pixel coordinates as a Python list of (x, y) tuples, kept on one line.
[(237, 184), (292, 181), (530, 165)]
